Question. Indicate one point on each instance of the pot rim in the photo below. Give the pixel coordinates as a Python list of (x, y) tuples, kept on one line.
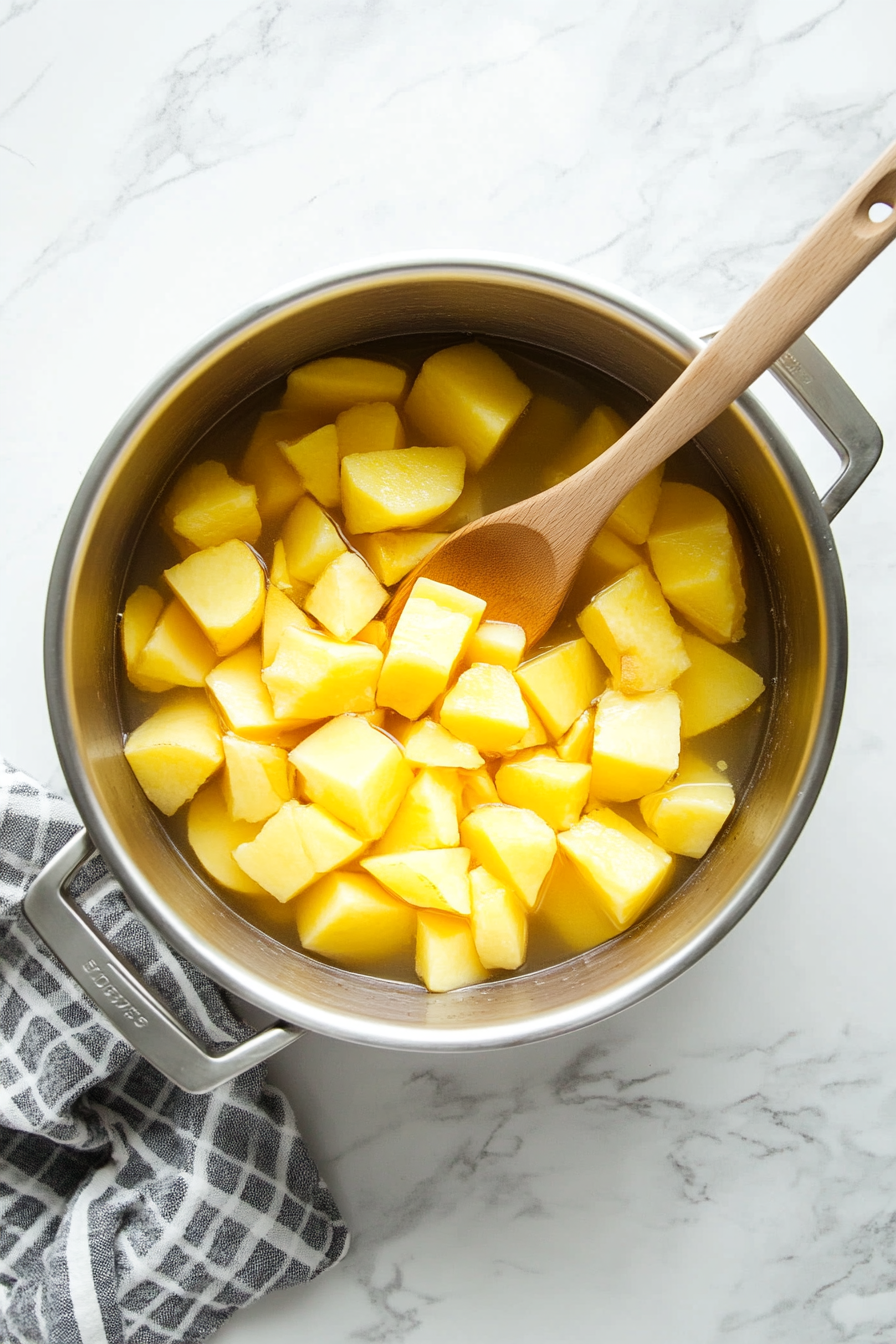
[(352, 1026)]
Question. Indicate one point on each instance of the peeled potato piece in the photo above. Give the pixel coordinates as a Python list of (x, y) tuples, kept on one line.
[(349, 918), (622, 867), (391, 555), (310, 542), (434, 878), (141, 612), (328, 386), (499, 923), (208, 507), (177, 652), (446, 953), (214, 834), (315, 459), (371, 427), (277, 859), (346, 597), (223, 588), (356, 772), (404, 488), (562, 683), (277, 486), (513, 844), (256, 780), (175, 750)]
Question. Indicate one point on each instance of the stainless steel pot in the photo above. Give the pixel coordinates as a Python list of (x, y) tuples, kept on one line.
[(592, 323)]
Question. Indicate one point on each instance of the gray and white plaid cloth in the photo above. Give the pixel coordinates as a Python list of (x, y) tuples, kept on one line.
[(130, 1210)]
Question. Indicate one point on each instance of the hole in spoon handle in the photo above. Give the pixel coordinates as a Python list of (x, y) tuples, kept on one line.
[(877, 213)]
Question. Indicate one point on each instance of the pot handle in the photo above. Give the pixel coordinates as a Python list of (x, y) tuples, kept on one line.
[(834, 408), (133, 1007)]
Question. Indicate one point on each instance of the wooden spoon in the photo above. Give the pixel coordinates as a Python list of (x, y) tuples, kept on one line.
[(523, 559)]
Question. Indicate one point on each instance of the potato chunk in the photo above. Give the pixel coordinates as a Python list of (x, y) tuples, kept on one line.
[(310, 542), (313, 676), (243, 699), (631, 627), (433, 878), (315, 459), (328, 386), (346, 596), (376, 633), (554, 790), (624, 869), (277, 485), (404, 488), (513, 844), (223, 588), (695, 552), (715, 688), (688, 813), (499, 642), (177, 652), (350, 919), (256, 780), (468, 506), (427, 817), (175, 750), (633, 515), (485, 707), (391, 555), (607, 557), (469, 396), (477, 789), (280, 614), (208, 507), (568, 911), (446, 953), (354, 771), (426, 646), (561, 683), (637, 740), (428, 743), (276, 859), (598, 433), (326, 840), (141, 612), (371, 427), (577, 741), (535, 735), (213, 834), (499, 923)]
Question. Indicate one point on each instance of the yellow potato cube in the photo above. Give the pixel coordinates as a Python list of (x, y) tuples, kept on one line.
[(310, 542), (346, 596), (513, 844), (315, 459), (695, 552), (633, 515), (427, 743), (561, 683), (280, 576), (427, 817), (371, 427), (327, 842), (499, 642), (256, 780), (426, 647), (277, 485), (499, 923), (175, 751), (637, 740), (433, 878), (624, 869), (313, 676), (469, 396), (391, 555), (328, 386), (141, 613), (607, 557), (485, 707), (208, 507), (280, 615), (631, 627), (468, 506), (276, 859), (689, 812), (354, 771), (376, 633), (568, 912), (177, 652), (451, 598), (477, 789), (715, 688), (213, 835), (543, 430), (577, 741), (535, 735), (598, 433), (446, 954), (223, 588), (242, 699), (404, 488), (554, 790), (350, 919)]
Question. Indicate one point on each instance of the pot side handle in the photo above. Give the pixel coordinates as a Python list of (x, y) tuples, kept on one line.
[(132, 1007)]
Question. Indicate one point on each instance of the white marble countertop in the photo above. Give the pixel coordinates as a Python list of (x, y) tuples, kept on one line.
[(719, 1162)]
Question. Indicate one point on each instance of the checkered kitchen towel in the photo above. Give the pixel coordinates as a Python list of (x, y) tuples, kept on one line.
[(129, 1210)]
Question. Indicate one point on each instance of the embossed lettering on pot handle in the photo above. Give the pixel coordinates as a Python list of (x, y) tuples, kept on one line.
[(133, 1008), (834, 408)]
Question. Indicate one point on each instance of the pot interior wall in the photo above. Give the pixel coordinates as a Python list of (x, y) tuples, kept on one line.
[(86, 593)]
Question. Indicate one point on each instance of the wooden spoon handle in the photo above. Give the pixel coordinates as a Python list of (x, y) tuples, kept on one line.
[(793, 296)]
